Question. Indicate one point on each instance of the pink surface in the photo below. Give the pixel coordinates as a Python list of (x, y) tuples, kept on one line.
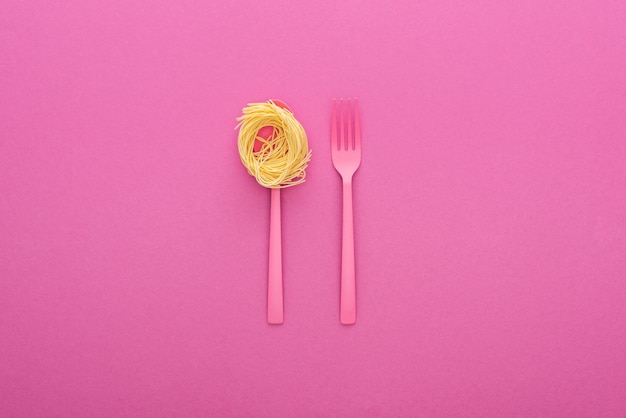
[(489, 210)]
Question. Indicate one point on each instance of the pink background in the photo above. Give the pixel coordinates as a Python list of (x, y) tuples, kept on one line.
[(489, 210)]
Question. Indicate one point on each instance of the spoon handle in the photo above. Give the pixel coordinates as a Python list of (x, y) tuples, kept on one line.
[(275, 277)]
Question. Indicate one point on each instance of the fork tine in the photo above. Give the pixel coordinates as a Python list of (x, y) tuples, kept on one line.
[(357, 126), (333, 127), (342, 129), (349, 142)]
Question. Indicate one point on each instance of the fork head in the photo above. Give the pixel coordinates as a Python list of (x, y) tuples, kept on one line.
[(345, 137)]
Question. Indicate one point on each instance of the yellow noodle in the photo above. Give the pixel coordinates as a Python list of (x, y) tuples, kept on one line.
[(283, 158)]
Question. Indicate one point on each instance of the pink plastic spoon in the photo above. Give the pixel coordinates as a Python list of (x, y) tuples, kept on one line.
[(275, 274)]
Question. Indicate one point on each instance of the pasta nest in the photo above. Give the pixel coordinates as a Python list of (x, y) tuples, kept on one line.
[(283, 157)]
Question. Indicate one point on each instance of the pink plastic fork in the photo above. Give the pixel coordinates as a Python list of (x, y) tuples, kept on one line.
[(346, 153)]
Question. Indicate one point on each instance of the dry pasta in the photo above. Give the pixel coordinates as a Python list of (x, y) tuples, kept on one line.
[(283, 157)]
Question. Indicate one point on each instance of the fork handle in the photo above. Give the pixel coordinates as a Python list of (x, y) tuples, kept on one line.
[(348, 284), (275, 274)]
